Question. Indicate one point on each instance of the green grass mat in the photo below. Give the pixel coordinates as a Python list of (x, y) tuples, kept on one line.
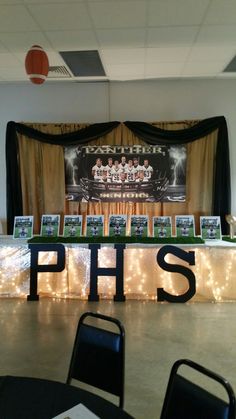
[(145, 240)]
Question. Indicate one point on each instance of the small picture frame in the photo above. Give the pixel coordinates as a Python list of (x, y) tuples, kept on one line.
[(210, 228), (117, 225), (23, 227), (184, 226), (162, 227), (50, 225), (94, 225), (139, 226), (72, 226)]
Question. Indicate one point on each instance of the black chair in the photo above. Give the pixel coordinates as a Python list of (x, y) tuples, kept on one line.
[(186, 400), (98, 356)]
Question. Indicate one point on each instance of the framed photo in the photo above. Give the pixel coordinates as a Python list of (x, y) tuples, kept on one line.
[(23, 227), (162, 227), (210, 228), (72, 226), (94, 225), (50, 225), (184, 226), (139, 226), (117, 225)]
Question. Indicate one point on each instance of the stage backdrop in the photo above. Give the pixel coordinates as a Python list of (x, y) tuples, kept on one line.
[(36, 175)]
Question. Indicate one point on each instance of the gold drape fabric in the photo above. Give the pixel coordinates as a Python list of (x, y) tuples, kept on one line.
[(43, 176)]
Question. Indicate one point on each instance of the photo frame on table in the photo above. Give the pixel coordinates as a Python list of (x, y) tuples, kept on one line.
[(94, 225), (23, 227), (210, 227), (139, 226), (50, 224), (162, 227), (72, 226), (117, 225), (184, 226)]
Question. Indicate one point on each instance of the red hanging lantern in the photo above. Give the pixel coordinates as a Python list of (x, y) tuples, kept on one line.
[(36, 64)]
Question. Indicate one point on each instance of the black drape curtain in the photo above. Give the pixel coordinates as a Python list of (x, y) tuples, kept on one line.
[(147, 132), (221, 188)]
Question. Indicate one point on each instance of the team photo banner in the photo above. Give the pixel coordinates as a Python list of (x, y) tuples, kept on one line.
[(126, 173)]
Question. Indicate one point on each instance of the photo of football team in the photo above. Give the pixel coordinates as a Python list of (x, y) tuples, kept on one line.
[(127, 173), (119, 171)]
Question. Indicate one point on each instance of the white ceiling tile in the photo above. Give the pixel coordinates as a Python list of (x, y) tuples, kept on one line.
[(155, 55), (61, 16), (164, 69), (173, 35), (217, 35), (16, 18), (123, 56), (8, 60), (118, 14), (123, 70), (22, 41), (119, 38), (221, 12), (13, 73), (72, 40), (176, 12), (211, 53), (203, 68)]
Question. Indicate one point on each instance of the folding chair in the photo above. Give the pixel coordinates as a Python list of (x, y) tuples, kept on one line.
[(98, 356), (187, 400)]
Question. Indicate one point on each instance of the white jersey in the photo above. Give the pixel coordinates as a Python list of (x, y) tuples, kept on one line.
[(94, 231), (130, 174), (161, 232), (211, 234), (72, 231), (98, 171), (148, 171), (117, 230), (123, 167), (115, 174), (184, 232), (137, 168), (108, 170), (138, 231)]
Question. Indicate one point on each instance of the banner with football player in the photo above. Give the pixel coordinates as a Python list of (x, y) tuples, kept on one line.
[(135, 173)]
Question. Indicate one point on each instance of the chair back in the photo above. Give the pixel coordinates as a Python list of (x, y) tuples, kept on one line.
[(98, 356), (185, 399)]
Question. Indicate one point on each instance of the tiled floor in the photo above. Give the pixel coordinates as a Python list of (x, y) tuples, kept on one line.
[(37, 339)]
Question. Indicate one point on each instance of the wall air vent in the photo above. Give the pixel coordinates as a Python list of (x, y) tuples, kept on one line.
[(58, 72)]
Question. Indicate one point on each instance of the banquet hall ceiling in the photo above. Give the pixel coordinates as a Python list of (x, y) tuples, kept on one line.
[(135, 39)]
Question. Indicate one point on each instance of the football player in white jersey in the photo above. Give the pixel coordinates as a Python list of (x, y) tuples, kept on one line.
[(94, 230), (104, 177), (141, 177), (109, 167), (185, 231), (148, 170), (123, 178), (97, 170), (211, 233), (138, 230), (136, 166), (115, 172), (130, 172), (123, 165), (117, 229)]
